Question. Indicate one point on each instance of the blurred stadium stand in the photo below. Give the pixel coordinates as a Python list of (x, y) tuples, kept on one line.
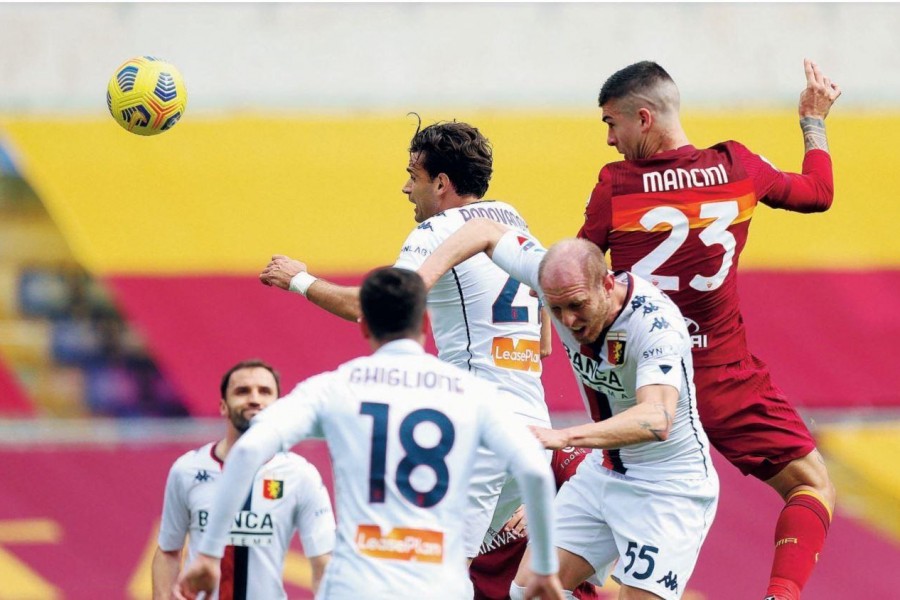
[(60, 332)]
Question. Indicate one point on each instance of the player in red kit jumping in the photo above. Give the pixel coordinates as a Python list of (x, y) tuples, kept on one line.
[(678, 216)]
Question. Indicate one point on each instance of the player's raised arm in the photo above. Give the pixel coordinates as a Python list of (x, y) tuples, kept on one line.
[(815, 103), (292, 275), (477, 235)]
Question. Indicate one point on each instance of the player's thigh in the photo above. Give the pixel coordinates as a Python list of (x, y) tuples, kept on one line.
[(749, 419), (659, 528), (808, 473), (582, 530)]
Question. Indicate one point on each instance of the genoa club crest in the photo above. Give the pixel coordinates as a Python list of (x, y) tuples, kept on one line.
[(615, 348), (273, 489)]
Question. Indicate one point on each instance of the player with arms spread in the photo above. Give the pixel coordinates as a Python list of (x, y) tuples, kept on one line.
[(483, 321), (402, 428), (679, 216)]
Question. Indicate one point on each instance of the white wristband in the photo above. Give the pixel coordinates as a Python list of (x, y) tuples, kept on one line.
[(301, 281)]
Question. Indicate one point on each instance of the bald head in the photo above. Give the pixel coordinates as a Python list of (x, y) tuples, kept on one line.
[(572, 259)]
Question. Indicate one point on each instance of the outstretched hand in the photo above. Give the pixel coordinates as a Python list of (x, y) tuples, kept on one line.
[(820, 93), (280, 270)]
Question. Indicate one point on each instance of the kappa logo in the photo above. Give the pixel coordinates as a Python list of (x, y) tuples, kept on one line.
[(669, 580), (426, 225), (202, 475)]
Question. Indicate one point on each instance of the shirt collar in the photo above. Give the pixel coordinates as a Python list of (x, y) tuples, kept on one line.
[(402, 346)]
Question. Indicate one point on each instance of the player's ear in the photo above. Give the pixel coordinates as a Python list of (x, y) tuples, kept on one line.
[(223, 408), (646, 118), (364, 328)]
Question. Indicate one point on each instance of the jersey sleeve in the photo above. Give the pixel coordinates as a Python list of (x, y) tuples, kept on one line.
[(806, 192), (296, 416), (176, 514), (418, 246), (659, 354), (314, 515), (525, 458), (598, 214), (519, 255)]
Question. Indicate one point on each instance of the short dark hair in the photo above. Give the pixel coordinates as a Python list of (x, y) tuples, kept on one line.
[(393, 303), (459, 151), (249, 364), (635, 78)]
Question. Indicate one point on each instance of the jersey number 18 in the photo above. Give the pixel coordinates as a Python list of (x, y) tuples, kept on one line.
[(416, 455)]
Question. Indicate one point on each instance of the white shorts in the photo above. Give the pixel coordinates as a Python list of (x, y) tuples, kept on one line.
[(493, 494), (649, 531)]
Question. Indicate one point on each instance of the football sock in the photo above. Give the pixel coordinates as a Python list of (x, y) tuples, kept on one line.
[(516, 592), (799, 537)]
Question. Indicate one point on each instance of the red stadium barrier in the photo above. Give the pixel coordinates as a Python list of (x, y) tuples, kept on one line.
[(79, 523)]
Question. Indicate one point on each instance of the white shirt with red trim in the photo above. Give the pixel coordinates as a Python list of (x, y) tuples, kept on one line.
[(647, 344), (483, 321), (288, 495)]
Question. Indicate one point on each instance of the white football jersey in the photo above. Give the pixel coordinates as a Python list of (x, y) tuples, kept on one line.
[(288, 495), (402, 429), (483, 321), (648, 343)]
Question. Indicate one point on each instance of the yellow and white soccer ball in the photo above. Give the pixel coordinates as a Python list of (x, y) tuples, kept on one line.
[(146, 95)]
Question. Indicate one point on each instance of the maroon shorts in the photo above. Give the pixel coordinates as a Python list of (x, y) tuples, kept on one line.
[(748, 419)]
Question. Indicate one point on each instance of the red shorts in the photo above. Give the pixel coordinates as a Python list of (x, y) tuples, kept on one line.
[(748, 419)]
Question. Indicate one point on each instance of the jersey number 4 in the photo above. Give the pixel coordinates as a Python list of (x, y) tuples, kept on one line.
[(716, 233), (416, 455)]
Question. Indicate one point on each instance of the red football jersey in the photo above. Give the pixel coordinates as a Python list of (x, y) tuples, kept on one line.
[(680, 220)]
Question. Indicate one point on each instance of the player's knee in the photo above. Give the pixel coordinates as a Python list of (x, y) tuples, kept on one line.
[(818, 478)]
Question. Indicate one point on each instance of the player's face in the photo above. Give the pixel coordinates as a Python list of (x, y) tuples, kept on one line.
[(623, 129), (582, 308), (421, 190), (249, 391)]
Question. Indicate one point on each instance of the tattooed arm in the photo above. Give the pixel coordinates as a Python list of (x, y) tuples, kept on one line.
[(650, 420), (815, 102)]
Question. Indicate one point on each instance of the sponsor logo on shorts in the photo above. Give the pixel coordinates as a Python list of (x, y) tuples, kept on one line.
[(420, 545), (273, 489), (522, 355)]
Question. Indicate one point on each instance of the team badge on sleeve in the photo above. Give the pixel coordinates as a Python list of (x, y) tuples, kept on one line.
[(273, 489)]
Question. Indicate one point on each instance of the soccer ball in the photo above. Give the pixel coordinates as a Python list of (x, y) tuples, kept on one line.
[(146, 95)]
